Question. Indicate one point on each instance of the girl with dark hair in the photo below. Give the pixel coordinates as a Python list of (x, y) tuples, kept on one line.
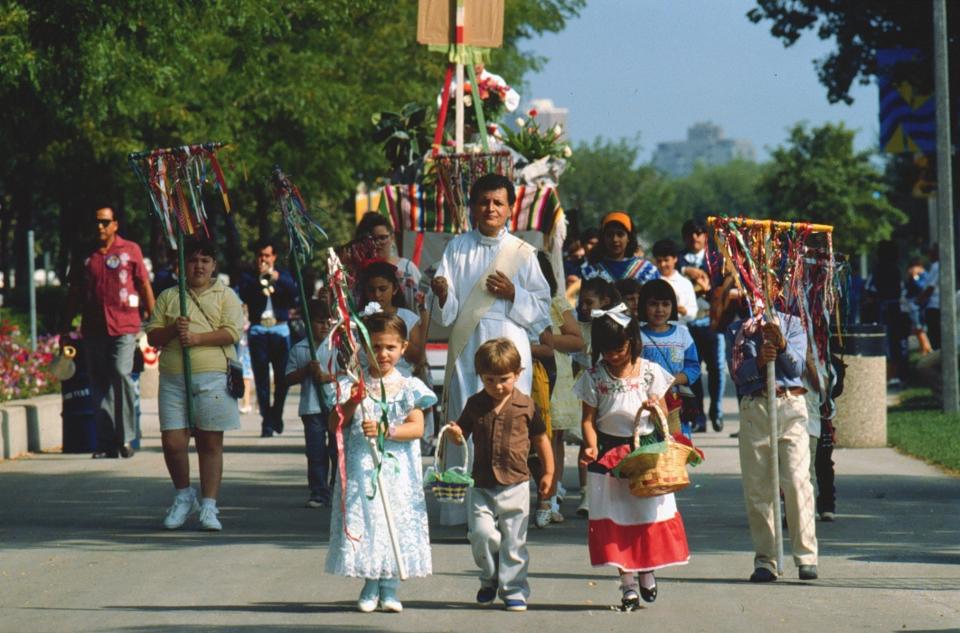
[(633, 534), (615, 257), (379, 284), (669, 345), (377, 227)]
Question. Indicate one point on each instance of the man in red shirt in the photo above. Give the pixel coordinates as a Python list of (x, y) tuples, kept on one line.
[(110, 291)]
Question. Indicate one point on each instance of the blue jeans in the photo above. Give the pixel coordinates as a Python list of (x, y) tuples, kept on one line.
[(321, 452), (269, 346), (712, 348)]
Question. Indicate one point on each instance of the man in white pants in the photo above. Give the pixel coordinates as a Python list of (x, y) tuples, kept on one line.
[(750, 347)]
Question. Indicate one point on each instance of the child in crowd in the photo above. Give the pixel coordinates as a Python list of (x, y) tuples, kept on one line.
[(504, 423), (665, 256), (595, 294), (633, 534), (564, 407), (668, 345), (380, 284), (246, 403), (321, 449), (629, 290), (359, 540)]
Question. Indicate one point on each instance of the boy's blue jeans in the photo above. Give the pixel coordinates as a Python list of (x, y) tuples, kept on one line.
[(321, 451)]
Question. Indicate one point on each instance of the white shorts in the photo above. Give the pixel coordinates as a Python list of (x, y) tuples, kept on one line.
[(214, 409)]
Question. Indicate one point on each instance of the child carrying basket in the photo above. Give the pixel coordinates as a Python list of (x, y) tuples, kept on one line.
[(620, 393)]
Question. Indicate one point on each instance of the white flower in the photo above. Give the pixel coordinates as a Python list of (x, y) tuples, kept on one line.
[(467, 100), (520, 122), (567, 152), (558, 129)]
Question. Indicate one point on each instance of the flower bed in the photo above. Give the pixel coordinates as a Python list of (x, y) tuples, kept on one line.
[(24, 373)]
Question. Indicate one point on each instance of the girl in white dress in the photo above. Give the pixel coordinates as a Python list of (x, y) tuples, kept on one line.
[(360, 543)]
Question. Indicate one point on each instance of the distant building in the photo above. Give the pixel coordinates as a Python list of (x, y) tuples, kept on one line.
[(704, 144), (548, 115)]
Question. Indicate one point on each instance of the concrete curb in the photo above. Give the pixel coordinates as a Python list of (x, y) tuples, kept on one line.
[(44, 422), (13, 429)]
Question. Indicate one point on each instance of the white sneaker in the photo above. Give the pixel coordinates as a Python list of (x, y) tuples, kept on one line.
[(542, 517), (209, 520), (182, 508)]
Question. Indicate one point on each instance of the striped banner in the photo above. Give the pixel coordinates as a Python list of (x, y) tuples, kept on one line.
[(416, 208)]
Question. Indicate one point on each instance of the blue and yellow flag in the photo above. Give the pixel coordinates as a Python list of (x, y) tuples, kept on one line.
[(907, 118)]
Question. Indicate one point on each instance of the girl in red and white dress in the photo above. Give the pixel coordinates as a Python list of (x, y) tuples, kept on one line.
[(632, 534)]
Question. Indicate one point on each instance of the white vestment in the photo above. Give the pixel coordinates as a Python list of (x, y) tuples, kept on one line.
[(464, 261)]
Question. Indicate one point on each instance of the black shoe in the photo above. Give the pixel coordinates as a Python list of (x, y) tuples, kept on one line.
[(735, 435), (126, 451), (105, 455), (762, 574), (629, 601), (277, 427), (266, 432), (808, 572), (648, 595), (717, 424)]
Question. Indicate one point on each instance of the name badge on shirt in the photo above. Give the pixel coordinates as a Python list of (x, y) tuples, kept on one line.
[(133, 301)]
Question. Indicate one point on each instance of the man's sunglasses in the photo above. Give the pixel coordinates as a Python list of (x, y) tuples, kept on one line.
[(104, 222)]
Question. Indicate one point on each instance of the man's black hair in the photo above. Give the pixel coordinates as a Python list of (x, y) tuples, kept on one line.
[(201, 245), (264, 242), (492, 182), (665, 248), (369, 221), (692, 226)]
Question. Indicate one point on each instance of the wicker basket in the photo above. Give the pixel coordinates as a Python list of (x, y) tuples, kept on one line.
[(654, 474), (446, 492)]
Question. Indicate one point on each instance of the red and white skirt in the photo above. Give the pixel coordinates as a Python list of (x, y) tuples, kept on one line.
[(632, 533)]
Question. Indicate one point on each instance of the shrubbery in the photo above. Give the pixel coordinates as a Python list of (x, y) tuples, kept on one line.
[(24, 373)]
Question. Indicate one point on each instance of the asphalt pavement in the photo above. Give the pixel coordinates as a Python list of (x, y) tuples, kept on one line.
[(82, 548)]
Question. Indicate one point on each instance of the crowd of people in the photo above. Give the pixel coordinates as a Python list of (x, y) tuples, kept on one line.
[(534, 359)]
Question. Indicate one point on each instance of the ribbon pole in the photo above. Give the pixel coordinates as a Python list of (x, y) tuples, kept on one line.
[(185, 351)]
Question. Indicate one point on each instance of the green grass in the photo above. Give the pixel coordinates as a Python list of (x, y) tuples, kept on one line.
[(918, 427)]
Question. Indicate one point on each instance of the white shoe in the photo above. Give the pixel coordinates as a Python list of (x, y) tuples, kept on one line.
[(209, 520), (183, 507), (542, 517), (583, 510), (368, 605), (391, 604)]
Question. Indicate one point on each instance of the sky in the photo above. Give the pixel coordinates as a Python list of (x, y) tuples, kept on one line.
[(656, 67)]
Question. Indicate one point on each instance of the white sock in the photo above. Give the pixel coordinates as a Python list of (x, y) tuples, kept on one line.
[(648, 580), (208, 502), (185, 493)]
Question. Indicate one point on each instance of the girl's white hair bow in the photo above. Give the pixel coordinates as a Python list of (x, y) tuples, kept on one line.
[(618, 313), (372, 308)]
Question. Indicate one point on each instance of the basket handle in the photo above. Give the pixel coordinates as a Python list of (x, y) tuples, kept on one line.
[(661, 421), (440, 455)]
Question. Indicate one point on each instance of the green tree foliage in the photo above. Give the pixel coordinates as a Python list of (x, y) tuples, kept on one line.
[(605, 176), (858, 29), (818, 177), (731, 189), (83, 83)]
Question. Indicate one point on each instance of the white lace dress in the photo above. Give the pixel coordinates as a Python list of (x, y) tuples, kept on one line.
[(371, 554)]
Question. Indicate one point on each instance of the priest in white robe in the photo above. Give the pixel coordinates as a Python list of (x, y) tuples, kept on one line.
[(492, 279)]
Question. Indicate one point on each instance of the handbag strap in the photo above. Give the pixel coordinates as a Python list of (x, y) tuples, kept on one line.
[(196, 302)]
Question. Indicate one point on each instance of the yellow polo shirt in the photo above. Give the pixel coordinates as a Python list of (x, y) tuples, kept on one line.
[(220, 305)]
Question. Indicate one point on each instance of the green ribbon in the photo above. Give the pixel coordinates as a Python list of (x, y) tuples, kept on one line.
[(465, 54)]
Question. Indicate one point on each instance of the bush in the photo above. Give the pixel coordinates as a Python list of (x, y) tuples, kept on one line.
[(24, 373)]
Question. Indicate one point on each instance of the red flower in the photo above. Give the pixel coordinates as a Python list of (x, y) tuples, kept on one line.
[(532, 113)]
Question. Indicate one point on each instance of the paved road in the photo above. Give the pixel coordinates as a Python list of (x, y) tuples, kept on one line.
[(81, 549)]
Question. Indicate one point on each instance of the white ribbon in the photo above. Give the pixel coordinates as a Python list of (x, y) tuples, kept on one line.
[(372, 308), (618, 313)]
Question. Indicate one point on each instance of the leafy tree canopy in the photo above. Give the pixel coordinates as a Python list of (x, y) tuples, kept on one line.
[(818, 177)]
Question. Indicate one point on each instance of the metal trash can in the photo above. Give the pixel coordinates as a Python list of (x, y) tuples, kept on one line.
[(861, 420), (79, 416)]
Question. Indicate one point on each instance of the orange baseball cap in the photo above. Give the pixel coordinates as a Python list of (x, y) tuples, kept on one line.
[(618, 216)]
